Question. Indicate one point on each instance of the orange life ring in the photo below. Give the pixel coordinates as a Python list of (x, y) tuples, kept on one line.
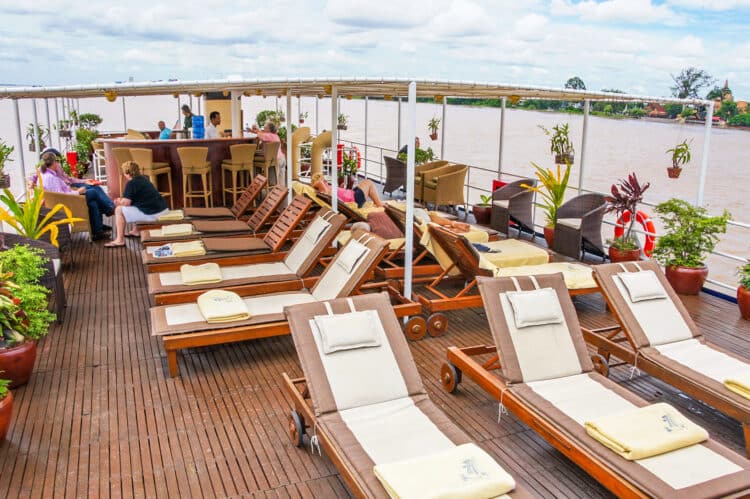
[(340, 154), (646, 223)]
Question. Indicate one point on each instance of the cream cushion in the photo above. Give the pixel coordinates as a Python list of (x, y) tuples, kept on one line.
[(501, 203), (574, 223), (349, 256), (171, 215), (219, 306), (348, 331), (316, 229), (206, 273), (535, 308), (174, 230), (643, 285)]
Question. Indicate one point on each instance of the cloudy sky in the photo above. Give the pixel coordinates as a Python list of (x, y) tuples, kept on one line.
[(632, 45)]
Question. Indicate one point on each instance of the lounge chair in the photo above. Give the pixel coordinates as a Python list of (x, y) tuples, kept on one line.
[(204, 227), (183, 326), (366, 406), (295, 264), (659, 337), (543, 375), (235, 212), (352, 212), (512, 203), (214, 247)]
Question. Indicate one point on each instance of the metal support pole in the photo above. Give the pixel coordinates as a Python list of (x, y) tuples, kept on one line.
[(366, 102), (289, 165), (317, 101), (334, 149), (190, 103), (124, 115), (57, 121), (442, 138), (582, 169), (235, 108), (411, 132), (49, 121), (19, 139), (502, 138), (36, 124), (706, 147), (398, 139)]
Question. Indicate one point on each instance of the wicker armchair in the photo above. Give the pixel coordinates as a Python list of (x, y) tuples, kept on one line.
[(52, 278), (579, 226), (76, 204), (513, 203), (444, 185), (419, 171), (395, 174), (64, 237)]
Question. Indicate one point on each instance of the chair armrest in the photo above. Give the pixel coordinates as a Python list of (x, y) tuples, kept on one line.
[(447, 177)]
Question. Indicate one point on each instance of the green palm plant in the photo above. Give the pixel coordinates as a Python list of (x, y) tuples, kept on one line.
[(24, 216), (552, 186)]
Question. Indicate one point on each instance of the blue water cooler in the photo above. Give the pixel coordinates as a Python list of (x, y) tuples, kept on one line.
[(199, 128)]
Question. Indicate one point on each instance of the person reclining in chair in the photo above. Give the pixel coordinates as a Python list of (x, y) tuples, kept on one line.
[(364, 189)]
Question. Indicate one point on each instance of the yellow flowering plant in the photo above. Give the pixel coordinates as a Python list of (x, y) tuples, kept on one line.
[(552, 186)]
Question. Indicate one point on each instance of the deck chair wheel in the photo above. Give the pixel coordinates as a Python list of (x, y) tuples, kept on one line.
[(437, 324), (297, 429), (450, 377), (601, 364), (415, 328)]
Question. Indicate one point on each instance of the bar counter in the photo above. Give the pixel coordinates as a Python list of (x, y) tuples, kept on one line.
[(166, 151)]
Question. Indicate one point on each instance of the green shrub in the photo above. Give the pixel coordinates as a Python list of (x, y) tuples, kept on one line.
[(740, 120)]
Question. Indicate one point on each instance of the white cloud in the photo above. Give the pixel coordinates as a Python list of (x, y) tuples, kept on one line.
[(690, 46), (711, 4), (630, 11), (462, 18), (386, 13), (531, 27)]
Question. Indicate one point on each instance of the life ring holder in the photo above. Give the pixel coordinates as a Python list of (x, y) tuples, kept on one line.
[(648, 228)]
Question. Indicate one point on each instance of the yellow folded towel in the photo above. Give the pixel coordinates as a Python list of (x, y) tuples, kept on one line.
[(646, 431), (461, 472), (218, 306), (176, 230), (207, 273), (172, 215), (188, 248), (739, 384)]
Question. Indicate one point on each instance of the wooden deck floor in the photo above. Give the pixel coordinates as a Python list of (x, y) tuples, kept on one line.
[(101, 418)]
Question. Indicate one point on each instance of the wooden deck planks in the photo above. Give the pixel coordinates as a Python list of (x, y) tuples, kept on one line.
[(101, 418)]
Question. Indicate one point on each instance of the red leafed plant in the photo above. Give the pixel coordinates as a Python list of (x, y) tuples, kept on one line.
[(626, 194)]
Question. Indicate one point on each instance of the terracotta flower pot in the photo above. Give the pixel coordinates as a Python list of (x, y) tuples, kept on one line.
[(674, 172), (5, 181), (618, 255), (687, 280), (18, 362), (434, 136), (482, 214), (6, 415), (743, 300), (549, 236)]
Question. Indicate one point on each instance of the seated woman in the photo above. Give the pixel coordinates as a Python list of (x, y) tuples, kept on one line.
[(55, 180), (140, 202), (364, 189)]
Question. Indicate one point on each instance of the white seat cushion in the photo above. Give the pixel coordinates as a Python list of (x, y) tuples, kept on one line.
[(574, 223), (502, 203)]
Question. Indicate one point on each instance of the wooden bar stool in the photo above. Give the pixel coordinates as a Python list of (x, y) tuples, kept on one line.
[(122, 154), (145, 159), (195, 162), (239, 165), (266, 161)]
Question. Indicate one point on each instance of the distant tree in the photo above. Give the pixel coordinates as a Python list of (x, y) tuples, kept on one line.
[(575, 83), (613, 90), (714, 93), (689, 82), (727, 110), (673, 110)]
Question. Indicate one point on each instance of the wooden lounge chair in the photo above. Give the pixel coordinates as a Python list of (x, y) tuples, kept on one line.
[(350, 210), (659, 337), (255, 223), (183, 326), (295, 264), (235, 212), (232, 245), (543, 375), (390, 402)]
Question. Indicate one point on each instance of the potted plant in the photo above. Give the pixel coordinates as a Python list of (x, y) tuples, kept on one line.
[(5, 152), (40, 133), (690, 236), (552, 186), (420, 156), (348, 171), (433, 125), (626, 194), (6, 407), (63, 129), (743, 291), (560, 144), (24, 313), (680, 157), (482, 211), (342, 121), (302, 117)]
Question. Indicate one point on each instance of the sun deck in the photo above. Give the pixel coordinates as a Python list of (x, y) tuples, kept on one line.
[(101, 417)]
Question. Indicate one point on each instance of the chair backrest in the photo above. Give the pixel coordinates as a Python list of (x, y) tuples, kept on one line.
[(648, 322), (344, 208), (267, 208), (288, 219), (249, 195), (318, 147), (395, 171), (351, 266), (243, 154), (385, 372), (318, 235), (534, 352), (143, 156), (580, 205), (300, 135), (77, 206), (135, 135), (460, 251), (424, 167), (512, 188), (270, 151), (192, 157), (122, 154)]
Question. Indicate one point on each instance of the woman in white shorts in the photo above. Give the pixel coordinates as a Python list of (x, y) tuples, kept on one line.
[(140, 202)]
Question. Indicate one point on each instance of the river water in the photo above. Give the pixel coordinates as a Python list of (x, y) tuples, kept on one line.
[(614, 148)]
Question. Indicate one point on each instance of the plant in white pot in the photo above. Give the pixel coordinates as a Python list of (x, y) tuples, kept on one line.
[(5, 152)]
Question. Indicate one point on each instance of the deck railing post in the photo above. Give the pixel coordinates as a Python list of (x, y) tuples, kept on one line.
[(19, 139), (289, 165), (502, 138), (442, 136), (586, 109), (57, 121), (704, 158), (37, 143), (49, 121), (334, 148), (398, 138), (411, 128), (317, 101), (366, 102), (124, 114)]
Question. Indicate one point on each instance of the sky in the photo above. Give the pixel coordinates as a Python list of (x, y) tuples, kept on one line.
[(630, 45)]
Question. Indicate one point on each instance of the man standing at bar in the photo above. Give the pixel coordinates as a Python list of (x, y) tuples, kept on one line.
[(212, 130)]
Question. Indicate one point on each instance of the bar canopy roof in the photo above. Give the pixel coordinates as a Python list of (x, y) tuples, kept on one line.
[(357, 87)]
